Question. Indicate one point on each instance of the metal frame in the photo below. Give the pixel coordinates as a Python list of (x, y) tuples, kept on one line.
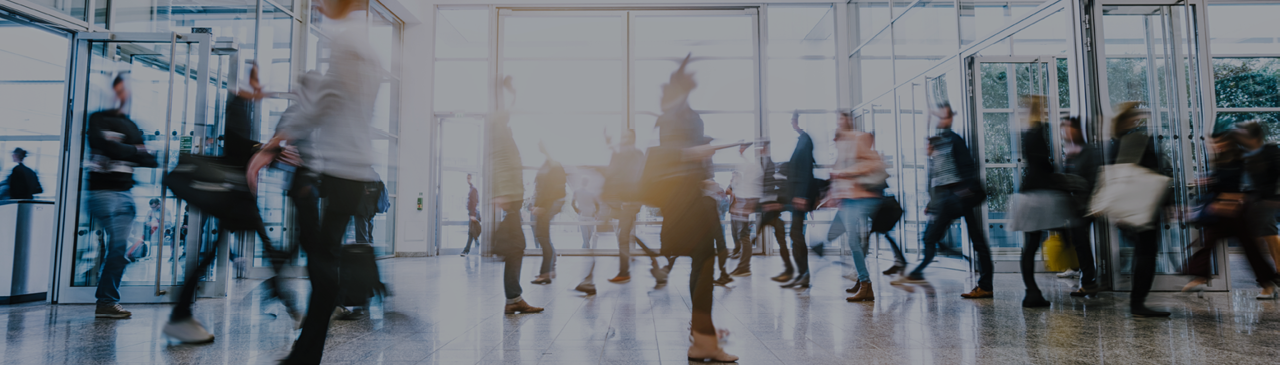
[(72, 170)]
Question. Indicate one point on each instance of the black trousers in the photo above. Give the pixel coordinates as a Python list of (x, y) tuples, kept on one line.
[(799, 248), (323, 249), (1080, 239), (509, 231), (690, 226), (1201, 262), (1146, 244), (771, 219)]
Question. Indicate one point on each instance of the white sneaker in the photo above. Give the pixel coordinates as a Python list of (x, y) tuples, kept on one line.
[(188, 331), (1069, 274)]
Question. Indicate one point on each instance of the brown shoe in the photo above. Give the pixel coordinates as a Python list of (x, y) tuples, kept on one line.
[(978, 293), (521, 307), (864, 294), (854, 289)]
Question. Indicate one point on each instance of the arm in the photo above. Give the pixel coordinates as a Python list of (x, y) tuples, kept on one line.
[(114, 150), (801, 175)]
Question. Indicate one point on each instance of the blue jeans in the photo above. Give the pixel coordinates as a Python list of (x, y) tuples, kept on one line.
[(114, 211), (854, 214)]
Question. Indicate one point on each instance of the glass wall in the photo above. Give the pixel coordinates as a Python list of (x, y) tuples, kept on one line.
[(461, 89), (33, 82), (1246, 65)]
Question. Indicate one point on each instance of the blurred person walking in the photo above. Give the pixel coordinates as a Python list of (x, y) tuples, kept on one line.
[(673, 180), (712, 189), (116, 148), (548, 199), (1261, 179), (748, 188), (621, 192), (22, 183), (1222, 216), (857, 181), (955, 189), (1130, 144), (473, 217), (802, 190), (340, 124), (1080, 174), (770, 208), (507, 185), (1040, 203)]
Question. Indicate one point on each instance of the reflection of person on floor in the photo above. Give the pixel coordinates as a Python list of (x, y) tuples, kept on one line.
[(23, 183), (116, 148), (473, 217)]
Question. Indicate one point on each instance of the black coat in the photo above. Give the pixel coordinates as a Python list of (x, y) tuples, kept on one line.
[(800, 168), (1264, 172), (23, 183), (549, 185), (113, 138), (1038, 171)]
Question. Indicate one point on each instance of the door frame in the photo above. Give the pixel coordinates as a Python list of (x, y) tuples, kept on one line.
[(72, 169), (1201, 106), (1054, 110)]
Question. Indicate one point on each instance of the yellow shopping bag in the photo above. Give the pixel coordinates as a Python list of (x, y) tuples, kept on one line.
[(1059, 256)]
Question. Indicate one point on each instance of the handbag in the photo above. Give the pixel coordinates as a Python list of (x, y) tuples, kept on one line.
[(1059, 256), (887, 216), (1039, 210), (218, 189), (1129, 194)]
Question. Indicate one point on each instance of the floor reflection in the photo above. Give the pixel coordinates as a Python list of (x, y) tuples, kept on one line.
[(447, 310)]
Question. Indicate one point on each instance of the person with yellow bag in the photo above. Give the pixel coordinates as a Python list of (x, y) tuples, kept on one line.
[(1040, 204), (1058, 254)]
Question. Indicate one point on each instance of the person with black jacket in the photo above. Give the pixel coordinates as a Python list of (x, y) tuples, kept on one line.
[(621, 193), (1261, 179), (22, 181), (955, 191), (116, 148), (1080, 171), (1040, 204), (548, 199), (800, 189), (1128, 127), (1220, 216)]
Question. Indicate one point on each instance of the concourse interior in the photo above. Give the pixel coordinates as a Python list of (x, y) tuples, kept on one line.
[(471, 113)]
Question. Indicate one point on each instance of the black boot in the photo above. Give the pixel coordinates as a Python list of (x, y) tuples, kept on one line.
[(1034, 300), (785, 276), (801, 281), (1141, 311)]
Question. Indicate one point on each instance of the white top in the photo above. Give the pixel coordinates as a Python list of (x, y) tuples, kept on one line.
[(750, 182), (339, 123)]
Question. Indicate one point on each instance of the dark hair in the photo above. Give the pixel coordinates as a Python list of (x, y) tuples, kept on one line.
[(154, 201), (1251, 129), (119, 80), (846, 114), (20, 152), (1073, 121), (951, 112)]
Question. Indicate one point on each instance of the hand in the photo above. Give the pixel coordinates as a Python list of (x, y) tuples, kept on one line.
[(260, 160), (799, 203), (474, 219), (289, 155), (255, 87), (538, 210)]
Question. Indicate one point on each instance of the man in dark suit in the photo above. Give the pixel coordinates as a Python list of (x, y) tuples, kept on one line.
[(800, 185), (23, 182)]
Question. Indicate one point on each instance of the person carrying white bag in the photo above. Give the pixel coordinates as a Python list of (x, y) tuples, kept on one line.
[(1130, 193)]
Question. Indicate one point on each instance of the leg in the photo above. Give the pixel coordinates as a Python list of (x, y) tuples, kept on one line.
[(1084, 251), (323, 265), (934, 231), (182, 310), (588, 231), (774, 220), (798, 243), (542, 234), (837, 227), (1028, 263), (899, 259), (626, 223), (1146, 247), (279, 259), (855, 212), (364, 229), (510, 230), (977, 235), (115, 211)]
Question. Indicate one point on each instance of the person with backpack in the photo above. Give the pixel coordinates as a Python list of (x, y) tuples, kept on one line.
[(621, 193), (955, 190)]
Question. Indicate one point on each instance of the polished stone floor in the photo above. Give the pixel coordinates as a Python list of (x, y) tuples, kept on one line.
[(447, 310)]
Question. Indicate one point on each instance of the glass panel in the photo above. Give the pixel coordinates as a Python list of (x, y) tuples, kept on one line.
[(568, 85), (1270, 122), (462, 86), (74, 8), (703, 36), (145, 73), (1246, 82), (277, 51), (870, 65), (1231, 28), (801, 31), (1045, 37), (462, 33), (927, 30), (996, 138), (33, 84), (801, 84), (562, 37), (872, 17), (995, 85)]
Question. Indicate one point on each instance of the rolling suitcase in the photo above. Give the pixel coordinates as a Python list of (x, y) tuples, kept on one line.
[(359, 275)]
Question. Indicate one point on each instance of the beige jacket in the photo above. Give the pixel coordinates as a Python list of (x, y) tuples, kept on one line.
[(854, 158)]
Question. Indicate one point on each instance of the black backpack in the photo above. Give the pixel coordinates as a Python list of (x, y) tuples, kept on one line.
[(887, 215)]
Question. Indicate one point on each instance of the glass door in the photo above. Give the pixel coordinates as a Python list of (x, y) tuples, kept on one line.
[(460, 146), (1009, 92), (168, 83), (1150, 55)]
